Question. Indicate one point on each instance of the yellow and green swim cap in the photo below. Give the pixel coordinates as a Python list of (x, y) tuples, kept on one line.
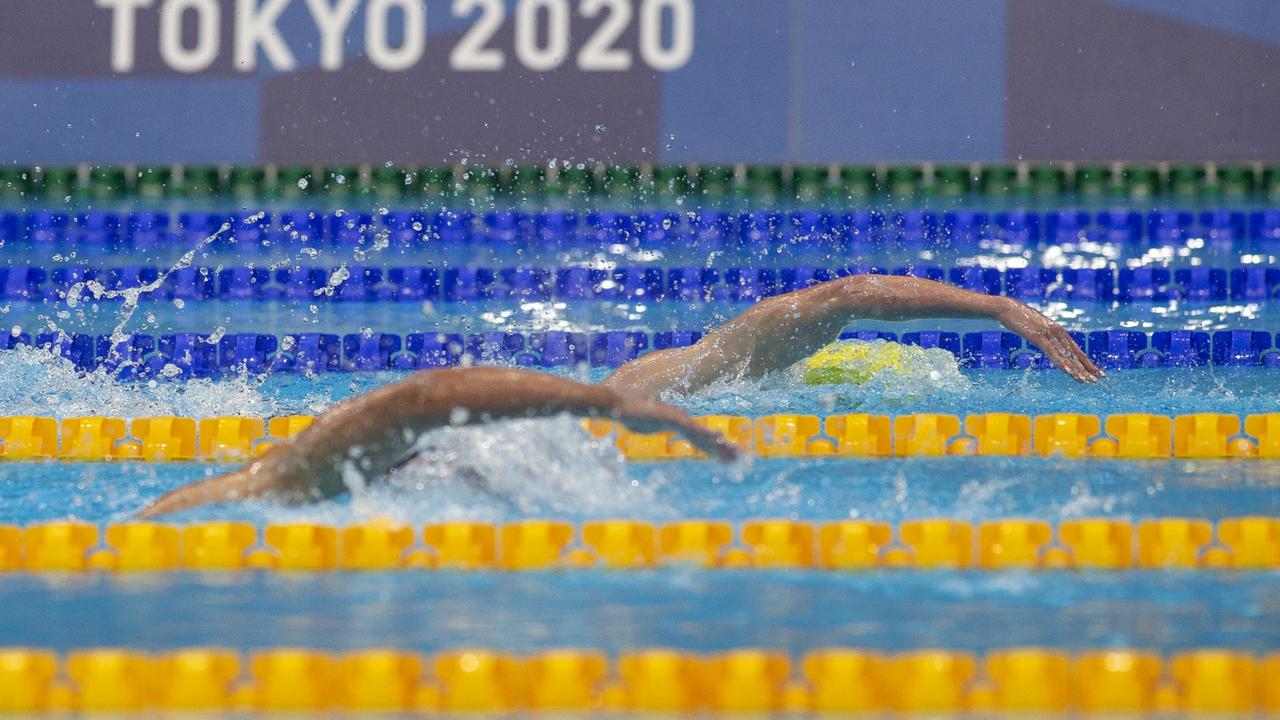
[(853, 362)]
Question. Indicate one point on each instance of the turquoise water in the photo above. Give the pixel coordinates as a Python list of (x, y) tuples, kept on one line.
[(551, 468), (618, 611)]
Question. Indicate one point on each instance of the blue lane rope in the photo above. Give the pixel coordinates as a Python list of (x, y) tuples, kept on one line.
[(639, 283), (713, 229), (196, 355)]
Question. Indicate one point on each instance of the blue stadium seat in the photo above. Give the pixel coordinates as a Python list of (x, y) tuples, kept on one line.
[(298, 229), (577, 283), (350, 230)]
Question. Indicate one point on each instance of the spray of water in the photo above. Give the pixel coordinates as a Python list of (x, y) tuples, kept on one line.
[(35, 382), (133, 295), (530, 466)]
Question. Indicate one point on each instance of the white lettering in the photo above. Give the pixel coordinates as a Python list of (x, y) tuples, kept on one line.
[(375, 34), (123, 28), (470, 53), (256, 27), (533, 56), (598, 53), (658, 56), (208, 30), (332, 22)]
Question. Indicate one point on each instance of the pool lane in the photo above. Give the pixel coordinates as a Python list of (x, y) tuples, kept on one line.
[(688, 609)]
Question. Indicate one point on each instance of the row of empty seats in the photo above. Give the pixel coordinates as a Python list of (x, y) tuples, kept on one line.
[(747, 680), (201, 355), (712, 229), (1125, 436), (359, 283), (1245, 543)]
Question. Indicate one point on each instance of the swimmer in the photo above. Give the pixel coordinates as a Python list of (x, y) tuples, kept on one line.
[(377, 432)]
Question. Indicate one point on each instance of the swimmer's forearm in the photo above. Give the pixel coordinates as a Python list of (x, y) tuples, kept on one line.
[(371, 433), (894, 298), (777, 332), (790, 327), (782, 330)]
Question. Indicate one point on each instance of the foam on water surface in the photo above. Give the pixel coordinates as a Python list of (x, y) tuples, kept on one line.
[(552, 468), (34, 382)]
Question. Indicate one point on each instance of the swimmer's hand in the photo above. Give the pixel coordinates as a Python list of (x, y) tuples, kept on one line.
[(1050, 338), (642, 415)]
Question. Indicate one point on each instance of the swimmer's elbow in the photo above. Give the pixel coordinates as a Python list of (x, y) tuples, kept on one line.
[(864, 292)]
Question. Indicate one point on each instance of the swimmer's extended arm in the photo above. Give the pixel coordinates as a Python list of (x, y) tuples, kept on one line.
[(779, 331), (372, 433)]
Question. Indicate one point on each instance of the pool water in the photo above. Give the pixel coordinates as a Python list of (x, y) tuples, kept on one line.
[(554, 469)]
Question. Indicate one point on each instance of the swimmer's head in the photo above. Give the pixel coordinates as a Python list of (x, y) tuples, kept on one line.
[(856, 363)]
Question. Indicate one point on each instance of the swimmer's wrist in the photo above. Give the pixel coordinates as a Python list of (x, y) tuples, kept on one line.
[(598, 401), (1004, 308)]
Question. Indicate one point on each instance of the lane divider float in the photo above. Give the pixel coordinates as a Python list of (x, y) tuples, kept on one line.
[(1128, 436), (636, 283), (253, 231), (835, 679), (184, 356), (1236, 543)]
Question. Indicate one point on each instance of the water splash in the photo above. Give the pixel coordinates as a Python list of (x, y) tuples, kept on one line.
[(133, 295), (525, 467), (512, 469), (924, 375), (35, 382)]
